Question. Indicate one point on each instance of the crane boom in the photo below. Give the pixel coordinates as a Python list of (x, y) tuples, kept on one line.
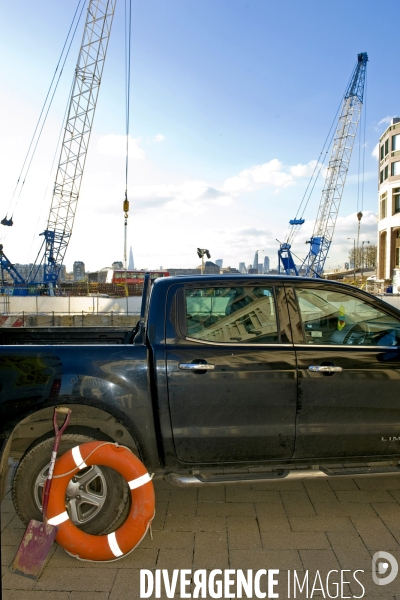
[(324, 226), (85, 89)]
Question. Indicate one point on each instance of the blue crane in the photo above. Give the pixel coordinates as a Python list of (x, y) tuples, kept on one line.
[(324, 227)]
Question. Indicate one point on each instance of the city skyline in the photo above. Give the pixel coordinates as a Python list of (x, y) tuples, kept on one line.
[(211, 163)]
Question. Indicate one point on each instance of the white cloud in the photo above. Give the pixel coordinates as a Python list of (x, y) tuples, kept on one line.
[(385, 121), (375, 152), (159, 137), (115, 145), (272, 173), (304, 170)]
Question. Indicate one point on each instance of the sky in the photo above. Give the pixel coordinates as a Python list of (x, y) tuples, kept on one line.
[(231, 101)]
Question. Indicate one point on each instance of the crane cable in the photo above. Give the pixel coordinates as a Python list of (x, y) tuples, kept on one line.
[(42, 119), (128, 35)]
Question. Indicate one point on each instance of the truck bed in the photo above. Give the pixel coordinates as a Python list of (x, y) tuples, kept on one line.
[(66, 335)]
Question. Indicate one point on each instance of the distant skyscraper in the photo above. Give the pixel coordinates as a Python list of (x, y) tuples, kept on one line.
[(131, 264), (79, 270), (260, 267), (255, 261), (266, 264), (219, 262), (242, 267)]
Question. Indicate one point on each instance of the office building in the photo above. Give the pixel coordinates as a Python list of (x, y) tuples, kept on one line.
[(266, 264), (219, 262), (389, 201), (255, 261), (79, 270), (242, 267)]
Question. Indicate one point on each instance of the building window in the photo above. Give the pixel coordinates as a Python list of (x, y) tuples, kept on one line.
[(387, 147), (382, 152), (396, 201), (395, 168), (396, 142), (397, 258), (387, 171), (383, 205), (381, 177)]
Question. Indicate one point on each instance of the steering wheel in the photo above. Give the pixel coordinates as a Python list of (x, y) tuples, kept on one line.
[(357, 335)]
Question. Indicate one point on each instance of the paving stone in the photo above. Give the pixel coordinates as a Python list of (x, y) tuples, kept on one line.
[(374, 533), (6, 519), (294, 540), (284, 486), (187, 508), (212, 493), (389, 482), (97, 579), (353, 558), (395, 494), (272, 517), (169, 539), (225, 509), (320, 491), (126, 585), (175, 558), (161, 512), (7, 506), (183, 523), (8, 554), (243, 532), (297, 504), (345, 509), (321, 560), (348, 539), (321, 524), (40, 595), (237, 494), (11, 536), (360, 496), (86, 595), (264, 559), (11, 581), (210, 557), (343, 483)]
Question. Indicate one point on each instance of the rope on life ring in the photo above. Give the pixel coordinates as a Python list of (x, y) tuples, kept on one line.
[(122, 541)]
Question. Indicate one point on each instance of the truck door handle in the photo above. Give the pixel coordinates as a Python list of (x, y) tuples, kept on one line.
[(196, 367), (324, 369)]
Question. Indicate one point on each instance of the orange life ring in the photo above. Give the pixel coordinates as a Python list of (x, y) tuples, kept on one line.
[(117, 544)]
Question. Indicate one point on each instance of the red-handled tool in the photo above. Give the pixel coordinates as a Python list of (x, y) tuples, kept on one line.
[(39, 537)]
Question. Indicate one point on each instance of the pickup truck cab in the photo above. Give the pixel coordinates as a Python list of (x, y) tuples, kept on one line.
[(225, 378)]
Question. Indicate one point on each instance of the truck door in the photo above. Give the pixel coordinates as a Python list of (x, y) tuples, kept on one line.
[(349, 374), (231, 372)]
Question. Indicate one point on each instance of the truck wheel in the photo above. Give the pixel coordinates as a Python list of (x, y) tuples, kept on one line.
[(97, 497)]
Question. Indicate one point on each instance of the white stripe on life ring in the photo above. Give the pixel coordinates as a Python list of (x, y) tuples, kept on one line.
[(135, 483), (58, 519), (112, 542), (76, 455)]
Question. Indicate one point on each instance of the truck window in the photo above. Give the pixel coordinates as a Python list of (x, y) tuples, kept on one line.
[(232, 315), (339, 318)]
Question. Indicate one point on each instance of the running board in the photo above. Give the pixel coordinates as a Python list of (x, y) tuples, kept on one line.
[(199, 479)]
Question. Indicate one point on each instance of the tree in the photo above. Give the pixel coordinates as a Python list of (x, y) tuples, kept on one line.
[(365, 256)]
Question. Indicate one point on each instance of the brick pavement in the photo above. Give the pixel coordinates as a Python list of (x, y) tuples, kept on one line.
[(325, 525)]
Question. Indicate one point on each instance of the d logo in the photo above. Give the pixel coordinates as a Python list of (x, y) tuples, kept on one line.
[(380, 562)]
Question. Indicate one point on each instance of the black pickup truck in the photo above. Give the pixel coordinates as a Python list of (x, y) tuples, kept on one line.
[(225, 378)]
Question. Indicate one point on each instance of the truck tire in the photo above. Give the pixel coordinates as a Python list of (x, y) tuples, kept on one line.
[(97, 498)]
